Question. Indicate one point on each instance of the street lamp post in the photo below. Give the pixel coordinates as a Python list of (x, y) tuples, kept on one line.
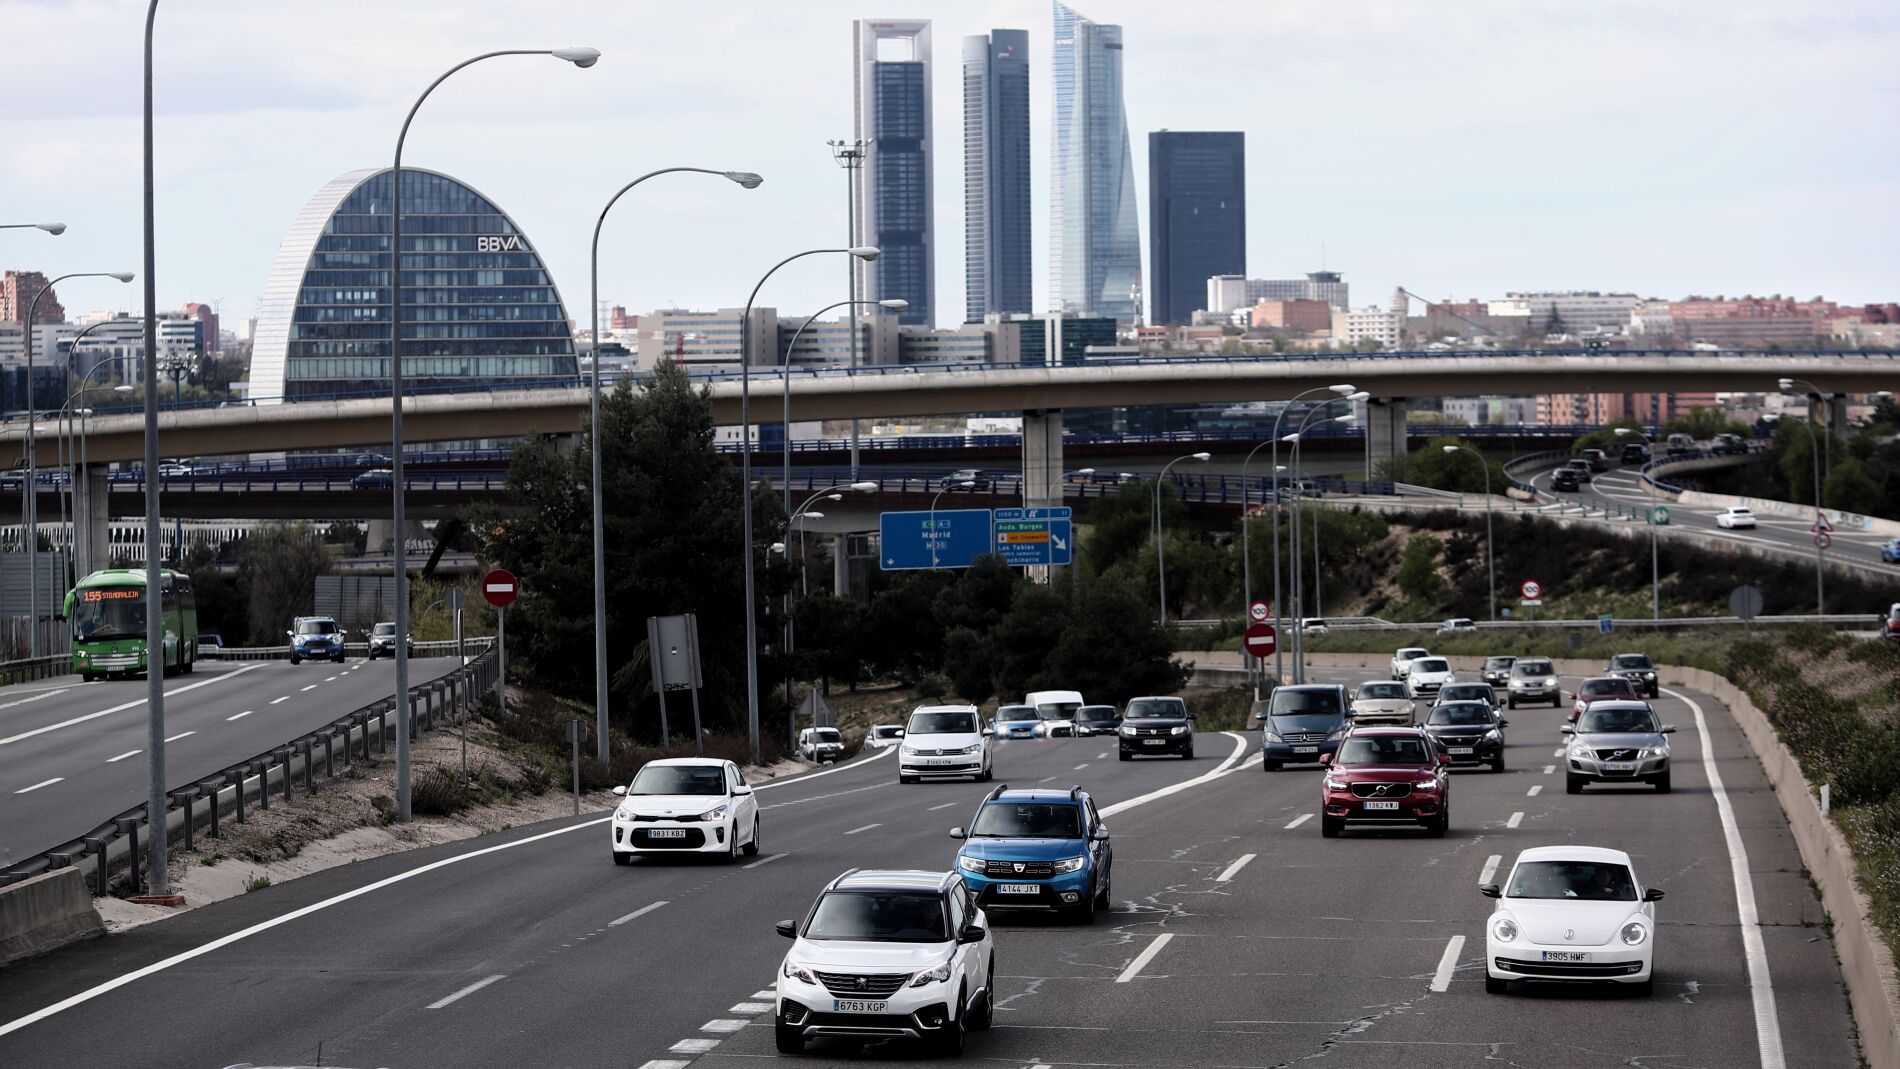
[(29, 506), (1279, 614), (1161, 539), (580, 57), (829, 493), (895, 304), (1827, 436), (1490, 546), (158, 878), (859, 252), (1820, 589), (1655, 565), (963, 484), (1296, 576), (54, 229), (747, 180)]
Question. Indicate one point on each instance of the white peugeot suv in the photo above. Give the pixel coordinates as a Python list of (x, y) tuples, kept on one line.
[(686, 805), (944, 740), (881, 955)]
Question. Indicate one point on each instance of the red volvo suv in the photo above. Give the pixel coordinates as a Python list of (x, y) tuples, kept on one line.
[(1385, 776)]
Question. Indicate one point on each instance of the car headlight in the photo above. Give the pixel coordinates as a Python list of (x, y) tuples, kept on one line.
[(1335, 784), (1504, 930), (1180, 730), (1426, 785), (969, 864), (1272, 737), (975, 747), (795, 971), (1068, 864), (1128, 731), (907, 750), (1494, 734), (933, 976), (1517, 684), (625, 812), (1635, 932), (717, 812), (1655, 751)]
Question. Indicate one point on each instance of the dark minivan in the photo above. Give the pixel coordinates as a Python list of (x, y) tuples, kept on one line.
[(1156, 727), (1301, 724)]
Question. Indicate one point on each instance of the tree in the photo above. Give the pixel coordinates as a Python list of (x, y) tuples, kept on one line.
[(282, 561), (969, 659), (1121, 525), (1703, 423), (1458, 471), (1606, 438), (1849, 487), (1109, 647), (1418, 575)]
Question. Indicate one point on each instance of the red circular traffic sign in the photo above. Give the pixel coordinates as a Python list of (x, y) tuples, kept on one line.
[(500, 588), (1822, 539), (1259, 611), (1260, 640), (1532, 590)]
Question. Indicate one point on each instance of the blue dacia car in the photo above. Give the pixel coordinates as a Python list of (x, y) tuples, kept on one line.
[(1037, 849), (1017, 722)]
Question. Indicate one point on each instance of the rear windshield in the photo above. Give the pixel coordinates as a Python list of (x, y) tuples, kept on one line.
[(1382, 751), (1410, 652), (385, 629), (1376, 691), (1461, 713), (1590, 881), (1599, 719), (1532, 668), (879, 917), (950, 723), (1173, 708), (1028, 820)]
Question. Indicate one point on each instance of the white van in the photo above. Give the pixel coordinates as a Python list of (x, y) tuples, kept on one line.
[(944, 740), (1055, 711)]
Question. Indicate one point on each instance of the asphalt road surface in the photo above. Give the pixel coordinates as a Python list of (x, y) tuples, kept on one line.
[(72, 754), (1239, 936)]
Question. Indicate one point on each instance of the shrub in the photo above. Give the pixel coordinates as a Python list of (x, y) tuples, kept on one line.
[(257, 883), (439, 792)]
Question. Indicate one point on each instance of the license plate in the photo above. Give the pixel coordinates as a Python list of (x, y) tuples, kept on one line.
[(847, 1005), (1382, 805), (1619, 766), (1458, 749), (1565, 955), (1018, 889), (1152, 742), (1305, 749), (666, 833), (939, 761)]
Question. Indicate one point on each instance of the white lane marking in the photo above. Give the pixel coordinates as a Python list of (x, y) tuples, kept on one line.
[(35, 698), (1490, 869), (1081, 766), (1045, 779), (1239, 864), (1548, 769), (266, 925), (867, 827), (469, 990), (665, 1063), (42, 783), (1559, 753), (767, 860), (180, 735), (642, 911), (125, 706), (1441, 980), (240, 716), (1233, 759), (693, 1046), (1516, 819), (123, 756), (945, 805), (750, 1007), (329, 679), (1299, 820), (1103, 756), (312, 686), (275, 701), (768, 993), (1142, 959), (1761, 986), (726, 1025), (1535, 791)]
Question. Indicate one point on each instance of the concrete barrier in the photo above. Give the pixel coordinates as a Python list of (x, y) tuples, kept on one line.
[(45, 913)]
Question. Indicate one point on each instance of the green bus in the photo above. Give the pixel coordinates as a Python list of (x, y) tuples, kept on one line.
[(107, 611)]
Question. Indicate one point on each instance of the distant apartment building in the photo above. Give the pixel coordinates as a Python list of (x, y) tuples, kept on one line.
[(1575, 311), (891, 92), (1368, 324), (1225, 293), (17, 289), (618, 319), (1298, 315), (1197, 217), (996, 200), (213, 337)]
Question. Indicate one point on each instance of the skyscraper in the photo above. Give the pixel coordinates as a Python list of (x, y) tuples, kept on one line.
[(1094, 239), (996, 174), (1197, 218), (892, 107)]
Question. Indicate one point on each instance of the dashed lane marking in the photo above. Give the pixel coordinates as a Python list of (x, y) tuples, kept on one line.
[(180, 735), (642, 911), (1559, 753), (1441, 980), (750, 1007), (945, 805), (1081, 766), (725, 1025), (123, 756), (1299, 820), (275, 701), (1548, 769), (767, 860), (1516, 819), (37, 786), (693, 1046), (768, 993), (240, 716), (867, 827), (1142, 959), (1490, 869), (1228, 872), (665, 1063), (312, 686), (1535, 791), (469, 990)]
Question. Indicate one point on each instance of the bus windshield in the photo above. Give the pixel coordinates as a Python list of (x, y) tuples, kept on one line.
[(109, 612)]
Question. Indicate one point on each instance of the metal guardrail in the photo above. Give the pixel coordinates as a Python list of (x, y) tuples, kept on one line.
[(273, 772), (1369, 623), (27, 669)]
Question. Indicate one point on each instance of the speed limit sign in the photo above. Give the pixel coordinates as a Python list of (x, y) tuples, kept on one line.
[(1823, 540), (1259, 611), (1532, 590)]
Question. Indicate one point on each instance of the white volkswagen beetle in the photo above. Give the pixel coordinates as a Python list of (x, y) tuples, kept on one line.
[(1571, 913)]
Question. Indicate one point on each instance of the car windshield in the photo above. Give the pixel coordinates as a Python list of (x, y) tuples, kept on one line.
[(679, 779), (1595, 688), (1461, 713), (827, 735), (385, 629), (1377, 750), (1616, 720), (1630, 660), (1588, 881), (1379, 691), (946, 723), (316, 627), (1027, 820), (1057, 710), (1289, 701), (1095, 713), (1431, 664), (109, 612), (1157, 707), (1499, 662), (876, 916), (1016, 712), (1525, 669)]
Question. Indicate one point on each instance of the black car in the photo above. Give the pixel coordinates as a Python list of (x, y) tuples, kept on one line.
[(1564, 479), (1599, 461), (1468, 733), (1097, 720), (1728, 445), (375, 479), (1497, 670), (1636, 668), (1155, 727), (371, 460), (1635, 453), (1581, 467)]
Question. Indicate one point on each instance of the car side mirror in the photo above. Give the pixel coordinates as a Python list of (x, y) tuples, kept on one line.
[(1652, 894), (1325, 759), (1668, 729), (1100, 834), (290, 634), (1490, 890), (741, 789), (1503, 723), (1444, 759), (900, 733), (788, 929), (957, 833), (1260, 718), (989, 732), (621, 791), (970, 933), (1566, 730)]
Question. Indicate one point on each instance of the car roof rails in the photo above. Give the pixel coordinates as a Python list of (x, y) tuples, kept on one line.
[(843, 876), (1075, 793), (997, 793)]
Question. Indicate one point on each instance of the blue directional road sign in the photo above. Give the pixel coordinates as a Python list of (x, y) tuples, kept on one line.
[(946, 538), (1035, 536)]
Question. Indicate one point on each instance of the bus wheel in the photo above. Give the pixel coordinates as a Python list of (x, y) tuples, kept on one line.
[(90, 677), (185, 669)]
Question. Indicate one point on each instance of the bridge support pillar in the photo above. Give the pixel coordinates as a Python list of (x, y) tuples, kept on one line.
[(1385, 431), (1042, 458), (1829, 411), (841, 565), (92, 530)]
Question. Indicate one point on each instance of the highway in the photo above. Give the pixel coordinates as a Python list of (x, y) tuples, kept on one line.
[(72, 754), (1239, 937)]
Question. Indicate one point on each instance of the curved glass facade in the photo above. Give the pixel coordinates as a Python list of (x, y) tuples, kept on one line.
[(478, 304)]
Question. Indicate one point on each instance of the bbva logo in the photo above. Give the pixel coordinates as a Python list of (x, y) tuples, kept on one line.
[(508, 243)]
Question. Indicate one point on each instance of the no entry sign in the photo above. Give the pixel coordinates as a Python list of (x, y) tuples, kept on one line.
[(1260, 640), (500, 588)]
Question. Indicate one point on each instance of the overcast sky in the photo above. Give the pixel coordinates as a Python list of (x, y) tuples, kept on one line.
[(1457, 147)]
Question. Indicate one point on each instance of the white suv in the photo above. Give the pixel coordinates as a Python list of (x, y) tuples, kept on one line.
[(686, 805), (1425, 675), (944, 740), (900, 954)]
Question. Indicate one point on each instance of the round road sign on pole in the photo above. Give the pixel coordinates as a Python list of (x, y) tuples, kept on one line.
[(1532, 590), (1260, 640), (1823, 539), (1259, 611), (1744, 603), (500, 588)]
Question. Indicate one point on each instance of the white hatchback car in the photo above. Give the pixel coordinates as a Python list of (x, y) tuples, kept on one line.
[(944, 740), (686, 805), (1735, 518), (1571, 913), (1425, 675), (1402, 660), (886, 955)]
